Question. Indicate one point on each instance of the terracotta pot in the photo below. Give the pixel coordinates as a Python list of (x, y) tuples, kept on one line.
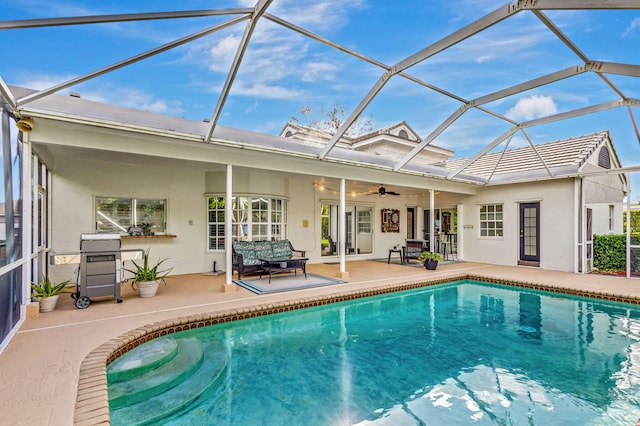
[(431, 264), (48, 304), (147, 288)]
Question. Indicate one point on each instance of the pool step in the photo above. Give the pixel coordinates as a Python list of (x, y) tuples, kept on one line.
[(154, 382), (143, 358), (177, 399)]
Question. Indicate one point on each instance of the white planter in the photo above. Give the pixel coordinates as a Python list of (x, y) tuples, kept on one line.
[(147, 288), (48, 304)]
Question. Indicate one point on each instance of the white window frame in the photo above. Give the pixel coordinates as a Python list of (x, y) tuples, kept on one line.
[(159, 229), (490, 218), (246, 221)]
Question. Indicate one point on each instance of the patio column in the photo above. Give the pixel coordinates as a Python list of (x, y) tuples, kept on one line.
[(342, 231), (228, 285), (432, 222), (459, 231), (628, 227), (576, 230)]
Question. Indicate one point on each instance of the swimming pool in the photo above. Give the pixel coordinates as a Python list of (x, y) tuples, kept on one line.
[(459, 353)]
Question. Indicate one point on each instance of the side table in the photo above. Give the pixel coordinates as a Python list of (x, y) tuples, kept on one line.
[(393, 250)]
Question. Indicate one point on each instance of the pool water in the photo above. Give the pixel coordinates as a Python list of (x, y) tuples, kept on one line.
[(460, 353)]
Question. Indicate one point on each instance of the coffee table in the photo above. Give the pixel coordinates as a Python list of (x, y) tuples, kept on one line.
[(277, 265)]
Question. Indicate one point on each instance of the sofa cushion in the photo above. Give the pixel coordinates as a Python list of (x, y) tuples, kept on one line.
[(263, 249), (412, 251), (248, 252), (281, 249)]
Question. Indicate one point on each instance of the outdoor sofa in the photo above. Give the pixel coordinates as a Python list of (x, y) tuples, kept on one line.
[(247, 254)]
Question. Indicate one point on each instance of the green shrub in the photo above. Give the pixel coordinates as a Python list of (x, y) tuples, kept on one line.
[(610, 252), (635, 221)]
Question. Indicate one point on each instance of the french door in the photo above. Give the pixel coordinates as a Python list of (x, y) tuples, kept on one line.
[(530, 232)]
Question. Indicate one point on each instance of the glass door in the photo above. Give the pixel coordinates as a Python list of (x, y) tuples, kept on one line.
[(530, 232), (359, 230)]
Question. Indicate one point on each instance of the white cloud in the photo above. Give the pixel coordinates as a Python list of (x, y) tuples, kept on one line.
[(277, 60), (124, 96), (312, 14), (133, 98), (534, 106), (314, 70), (222, 53), (41, 81), (633, 27), (262, 90)]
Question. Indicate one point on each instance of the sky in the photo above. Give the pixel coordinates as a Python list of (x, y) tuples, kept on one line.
[(284, 71)]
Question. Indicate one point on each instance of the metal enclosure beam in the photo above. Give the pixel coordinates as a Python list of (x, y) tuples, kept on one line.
[(126, 17), (532, 123), (7, 96), (518, 88), (456, 37), (37, 95), (258, 11)]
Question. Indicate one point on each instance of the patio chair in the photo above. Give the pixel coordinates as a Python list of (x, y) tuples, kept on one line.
[(411, 250)]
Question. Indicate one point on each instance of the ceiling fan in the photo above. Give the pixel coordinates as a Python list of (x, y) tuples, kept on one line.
[(382, 191)]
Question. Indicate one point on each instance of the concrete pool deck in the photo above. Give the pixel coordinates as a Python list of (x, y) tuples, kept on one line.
[(40, 368)]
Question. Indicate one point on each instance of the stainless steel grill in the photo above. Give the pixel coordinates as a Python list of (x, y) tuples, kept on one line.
[(100, 268)]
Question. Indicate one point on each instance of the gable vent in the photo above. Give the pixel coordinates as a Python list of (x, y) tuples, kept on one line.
[(403, 134), (603, 158)]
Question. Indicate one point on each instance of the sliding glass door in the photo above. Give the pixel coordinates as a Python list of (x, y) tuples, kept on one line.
[(359, 235)]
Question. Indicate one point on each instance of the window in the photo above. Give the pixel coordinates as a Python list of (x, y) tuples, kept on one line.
[(611, 212), (364, 221), (253, 219), (278, 219), (491, 220), (130, 215), (216, 223)]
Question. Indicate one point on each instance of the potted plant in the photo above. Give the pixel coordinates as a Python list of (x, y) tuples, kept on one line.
[(430, 259), (146, 277), (47, 293)]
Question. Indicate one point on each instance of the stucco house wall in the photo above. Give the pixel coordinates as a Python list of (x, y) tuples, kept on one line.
[(76, 183), (557, 224)]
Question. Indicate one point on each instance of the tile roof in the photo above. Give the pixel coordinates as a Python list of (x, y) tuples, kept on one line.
[(563, 154)]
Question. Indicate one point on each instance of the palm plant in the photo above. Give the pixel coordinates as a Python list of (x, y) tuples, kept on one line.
[(46, 288), (146, 272)]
